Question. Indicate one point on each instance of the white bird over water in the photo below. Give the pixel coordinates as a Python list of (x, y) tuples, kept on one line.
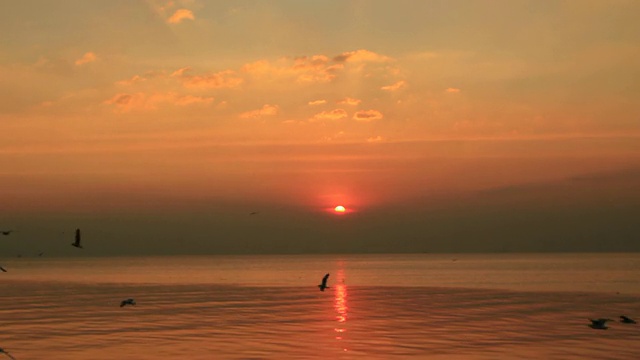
[(6, 353), (127, 302), (324, 283), (599, 324)]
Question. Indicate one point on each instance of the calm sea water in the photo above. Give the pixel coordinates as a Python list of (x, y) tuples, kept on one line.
[(269, 307)]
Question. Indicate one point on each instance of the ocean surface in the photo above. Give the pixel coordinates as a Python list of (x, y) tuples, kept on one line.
[(506, 306)]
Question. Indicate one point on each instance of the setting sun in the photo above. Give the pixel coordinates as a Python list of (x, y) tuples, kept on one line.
[(339, 209)]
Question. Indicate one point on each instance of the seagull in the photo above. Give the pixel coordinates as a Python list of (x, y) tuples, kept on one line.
[(6, 353), (626, 320), (599, 324), (253, 213), (77, 242), (6, 232), (324, 283), (127, 302), (3, 269)]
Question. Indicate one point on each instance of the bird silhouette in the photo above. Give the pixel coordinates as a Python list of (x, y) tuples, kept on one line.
[(76, 243), (626, 320), (2, 351), (127, 302), (3, 269), (324, 283), (6, 232), (599, 324)]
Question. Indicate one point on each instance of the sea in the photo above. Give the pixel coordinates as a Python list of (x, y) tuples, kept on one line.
[(419, 306)]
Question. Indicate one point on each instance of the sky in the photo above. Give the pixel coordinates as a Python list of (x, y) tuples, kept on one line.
[(159, 127)]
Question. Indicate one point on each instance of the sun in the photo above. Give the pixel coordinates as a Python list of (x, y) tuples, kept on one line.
[(339, 209)]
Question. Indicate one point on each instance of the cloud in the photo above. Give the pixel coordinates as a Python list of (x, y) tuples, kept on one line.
[(266, 110), (375, 139), (222, 79), (395, 87), (317, 102), (367, 115), (335, 114), (304, 69), (452, 90), (88, 57), (349, 101), (133, 80), (179, 15), (361, 55), (125, 102)]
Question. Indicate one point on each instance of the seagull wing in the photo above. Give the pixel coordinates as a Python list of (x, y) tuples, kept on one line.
[(3, 269), (324, 280)]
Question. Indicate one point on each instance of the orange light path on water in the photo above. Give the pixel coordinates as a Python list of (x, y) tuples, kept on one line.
[(341, 306)]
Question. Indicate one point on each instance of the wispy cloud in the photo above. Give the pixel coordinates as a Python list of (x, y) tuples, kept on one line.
[(305, 69), (349, 101), (133, 80), (395, 87), (126, 102), (335, 114), (88, 57), (222, 79), (361, 55), (452, 90), (317, 102), (180, 15), (367, 115), (266, 110)]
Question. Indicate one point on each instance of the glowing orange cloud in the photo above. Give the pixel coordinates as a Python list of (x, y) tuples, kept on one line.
[(86, 58), (125, 102), (361, 55), (335, 114), (179, 15), (349, 101), (367, 115), (452, 90), (266, 110), (221, 79), (395, 87)]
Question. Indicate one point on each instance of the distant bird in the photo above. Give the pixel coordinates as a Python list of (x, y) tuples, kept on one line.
[(77, 242), (324, 283), (599, 324), (626, 320), (253, 213), (127, 302), (3, 269), (6, 353), (40, 253), (6, 232)]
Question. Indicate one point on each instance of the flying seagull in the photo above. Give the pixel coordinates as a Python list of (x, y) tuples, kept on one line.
[(3, 269), (626, 320), (6, 232), (77, 242), (599, 324), (6, 353), (127, 302), (324, 283)]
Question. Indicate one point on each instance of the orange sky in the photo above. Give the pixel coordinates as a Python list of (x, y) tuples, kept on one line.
[(195, 107)]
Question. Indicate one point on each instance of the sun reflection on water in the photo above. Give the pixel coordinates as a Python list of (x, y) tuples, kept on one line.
[(341, 307)]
